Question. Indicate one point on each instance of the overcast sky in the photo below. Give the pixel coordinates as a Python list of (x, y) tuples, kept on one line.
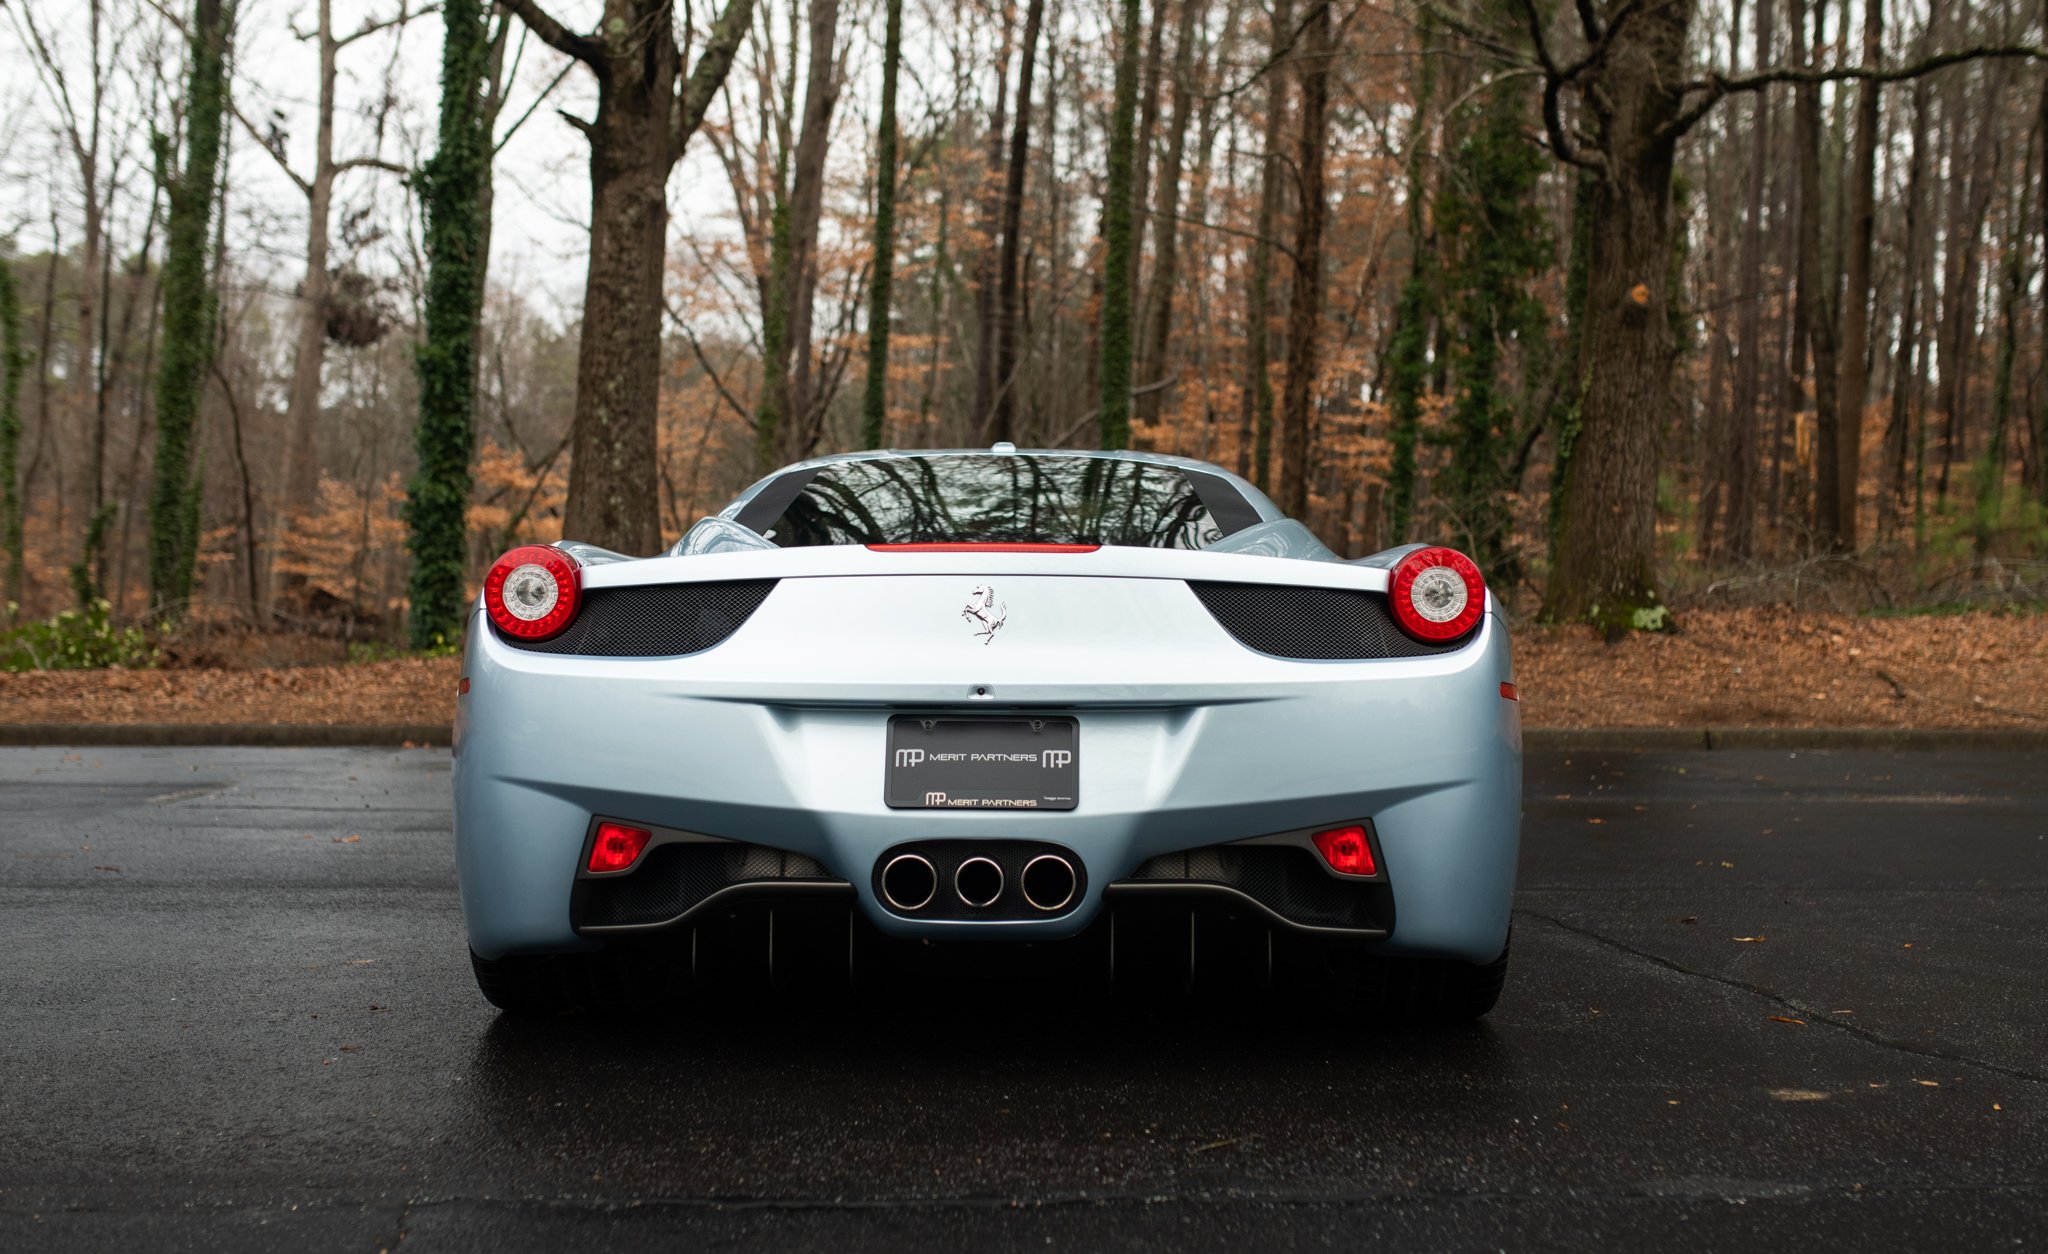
[(542, 174)]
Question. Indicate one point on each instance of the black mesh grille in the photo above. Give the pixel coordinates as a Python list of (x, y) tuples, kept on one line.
[(655, 620), (1313, 624), (1282, 878), (677, 877)]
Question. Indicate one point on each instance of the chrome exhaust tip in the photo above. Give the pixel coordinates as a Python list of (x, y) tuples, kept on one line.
[(1048, 882), (978, 882), (909, 882)]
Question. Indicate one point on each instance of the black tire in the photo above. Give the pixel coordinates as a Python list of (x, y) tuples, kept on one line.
[(564, 984), (1380, 988)]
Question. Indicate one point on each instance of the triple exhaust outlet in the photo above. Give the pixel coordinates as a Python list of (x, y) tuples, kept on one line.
[(910, 883)]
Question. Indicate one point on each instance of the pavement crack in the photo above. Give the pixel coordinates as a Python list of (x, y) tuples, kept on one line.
[(1813, 1015)]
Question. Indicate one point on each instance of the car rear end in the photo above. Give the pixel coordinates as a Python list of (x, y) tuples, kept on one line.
[(989, 740)]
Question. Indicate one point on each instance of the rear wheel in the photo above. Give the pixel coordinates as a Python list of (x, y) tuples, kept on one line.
[(607, 982), (1364, 986)]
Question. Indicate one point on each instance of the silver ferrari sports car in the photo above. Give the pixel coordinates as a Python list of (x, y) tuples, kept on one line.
[(1109, 708)]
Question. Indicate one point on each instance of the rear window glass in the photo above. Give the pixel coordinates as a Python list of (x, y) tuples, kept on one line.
[(993, 499)]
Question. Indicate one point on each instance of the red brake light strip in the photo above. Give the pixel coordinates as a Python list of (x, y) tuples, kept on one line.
[(996, 546)]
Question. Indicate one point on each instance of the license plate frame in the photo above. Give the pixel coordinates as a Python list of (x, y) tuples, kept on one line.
[(982, 762)]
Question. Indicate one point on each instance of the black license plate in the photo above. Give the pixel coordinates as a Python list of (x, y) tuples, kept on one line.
[(982, 764)]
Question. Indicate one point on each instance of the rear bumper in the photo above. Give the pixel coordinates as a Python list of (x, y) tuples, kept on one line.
[(1425, 748)]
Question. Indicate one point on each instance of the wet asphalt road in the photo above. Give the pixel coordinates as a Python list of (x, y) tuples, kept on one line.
[(236, 1013)]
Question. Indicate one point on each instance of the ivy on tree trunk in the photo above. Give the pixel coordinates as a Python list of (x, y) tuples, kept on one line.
[(13, 364), (452, 184), (1119, 235), (189, 309), (1496, 243)]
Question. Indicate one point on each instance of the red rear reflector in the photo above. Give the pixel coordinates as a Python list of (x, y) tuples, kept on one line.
[(1347, 850), (617, 846), (463, 687), (1509, 691), (990, 547)]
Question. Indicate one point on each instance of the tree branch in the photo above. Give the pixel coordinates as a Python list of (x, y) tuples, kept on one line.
[(1717, 86), (584, 48), (275, 154), (724, 392), (371, 26), (709, 73), (1589, 21), (1597, 52), (545, 92), (1554, 80), (371, 163), (1473, 35)]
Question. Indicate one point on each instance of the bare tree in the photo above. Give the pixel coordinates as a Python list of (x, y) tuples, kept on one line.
[(647, 110), (81, 122), (1255, 435), (1862, 229), (1158, 328), (302, 404), (1008, 329), (1305, 306)]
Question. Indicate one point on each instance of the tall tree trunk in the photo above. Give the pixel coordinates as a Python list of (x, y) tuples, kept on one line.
[(2041, 406), (458, 249), (1166, 229), (1119, 237), (1907, 385), (302, 405), (1862, 226), (1148, 132), (1740, 505), (1008, 329), (1407, 360), (1991, 469), (1305, 309), (1816, 281), (771, 407), (1604, 567), (987, 265), (1201, 242), (80, 126), (646, 112), (612, 481), (13, 363), (807, 203), (1255, 427), (875, 401), (1959, 292), (189, 306)]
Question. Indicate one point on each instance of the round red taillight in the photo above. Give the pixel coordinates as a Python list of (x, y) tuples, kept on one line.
[(533, 592), (1437, 595)]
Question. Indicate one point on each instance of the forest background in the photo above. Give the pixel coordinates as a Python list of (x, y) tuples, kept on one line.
[(311, 307)]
